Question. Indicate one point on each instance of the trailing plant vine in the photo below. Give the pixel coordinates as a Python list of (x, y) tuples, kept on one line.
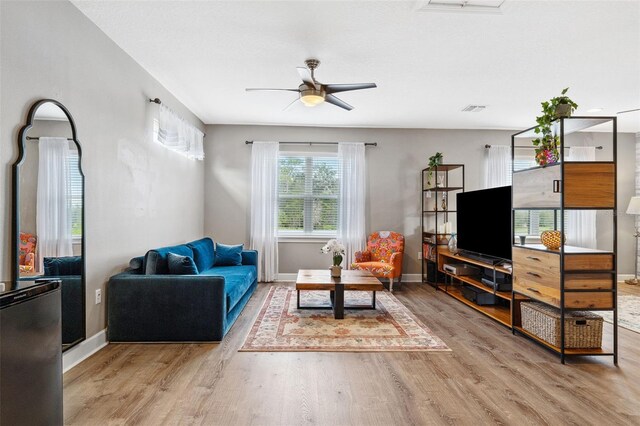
[(547, 144)]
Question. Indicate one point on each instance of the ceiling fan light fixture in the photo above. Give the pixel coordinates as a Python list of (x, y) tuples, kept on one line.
[(311, 97)]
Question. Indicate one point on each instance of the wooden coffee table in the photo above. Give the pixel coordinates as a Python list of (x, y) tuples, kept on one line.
[(320, 279)]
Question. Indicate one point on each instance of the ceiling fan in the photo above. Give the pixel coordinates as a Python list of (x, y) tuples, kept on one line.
[(312, 93), (629, 110)]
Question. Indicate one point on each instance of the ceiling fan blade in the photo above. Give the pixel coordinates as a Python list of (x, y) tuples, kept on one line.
[(335, 88), (338, 102), (291, 104), (285, 90), (305, 75), (629, 110)]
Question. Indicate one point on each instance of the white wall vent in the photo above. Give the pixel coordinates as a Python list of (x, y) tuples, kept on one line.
[(455, 6), (474, 108)]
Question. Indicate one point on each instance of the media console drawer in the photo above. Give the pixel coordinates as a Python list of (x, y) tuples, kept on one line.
[(536, 267)]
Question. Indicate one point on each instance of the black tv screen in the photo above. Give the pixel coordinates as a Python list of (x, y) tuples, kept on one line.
[(484, 221)]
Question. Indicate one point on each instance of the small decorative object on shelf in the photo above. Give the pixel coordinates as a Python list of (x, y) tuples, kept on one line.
[(453, 243), (551, 239), (547, 144), (336, 248), (444, 201), (440, 183)]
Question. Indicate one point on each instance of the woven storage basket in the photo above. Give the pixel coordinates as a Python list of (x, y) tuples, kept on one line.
[(582, 329)]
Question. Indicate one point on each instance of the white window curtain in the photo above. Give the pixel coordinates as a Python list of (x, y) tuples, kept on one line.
[(351, 226), (581, 225), (497, 165), (179, 135), (53, 221), (264, 199)]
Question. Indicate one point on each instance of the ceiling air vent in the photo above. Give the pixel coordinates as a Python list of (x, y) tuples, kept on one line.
[(474, 108), (455, 6)]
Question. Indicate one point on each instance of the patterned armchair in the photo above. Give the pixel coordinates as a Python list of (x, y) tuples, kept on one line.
[(383, 256), (27, 252)]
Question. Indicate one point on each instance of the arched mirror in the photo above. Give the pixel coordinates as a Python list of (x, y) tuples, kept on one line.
[(48, 210)]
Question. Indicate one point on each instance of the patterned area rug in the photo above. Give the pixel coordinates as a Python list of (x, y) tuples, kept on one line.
[(628, 313), (281, 327)]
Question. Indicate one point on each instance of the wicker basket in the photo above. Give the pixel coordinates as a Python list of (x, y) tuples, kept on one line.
[(582, 329)]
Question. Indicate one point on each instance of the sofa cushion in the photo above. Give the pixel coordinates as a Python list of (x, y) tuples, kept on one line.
[(155, 261), (228, 255), (237, 279), (181, 265), (136, 263), (56, 266), (203, 253)]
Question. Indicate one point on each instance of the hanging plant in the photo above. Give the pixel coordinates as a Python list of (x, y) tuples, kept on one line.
[(547, 145)]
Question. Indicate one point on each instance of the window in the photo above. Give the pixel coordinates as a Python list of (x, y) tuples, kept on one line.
[(308, 189), (75, 194), (531, 222)]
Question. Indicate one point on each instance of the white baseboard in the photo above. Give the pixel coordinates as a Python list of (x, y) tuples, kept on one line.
[(84, 350), (622, 277), (406, 278)]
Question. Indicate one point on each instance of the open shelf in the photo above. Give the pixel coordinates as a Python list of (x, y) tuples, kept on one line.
[(502, 314), (443, 189), (446, 253), (571, 125), (439, 211), (506, 295), (567, 351), (567, 249), (445, 167)]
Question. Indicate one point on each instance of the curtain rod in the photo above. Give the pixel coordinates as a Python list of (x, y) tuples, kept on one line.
[(314, 143), (29, 138), (522, 146), (155, 101)]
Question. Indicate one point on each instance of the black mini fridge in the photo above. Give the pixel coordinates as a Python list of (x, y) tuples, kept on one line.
[(30, 353)]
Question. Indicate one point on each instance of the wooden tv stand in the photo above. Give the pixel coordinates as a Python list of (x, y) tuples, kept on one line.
[(452, 285)]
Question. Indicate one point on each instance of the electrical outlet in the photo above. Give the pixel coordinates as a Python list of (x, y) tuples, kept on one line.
[(419, 255), (98, 296)]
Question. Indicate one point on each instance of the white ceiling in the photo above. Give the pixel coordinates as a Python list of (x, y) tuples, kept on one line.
[(427, 65)]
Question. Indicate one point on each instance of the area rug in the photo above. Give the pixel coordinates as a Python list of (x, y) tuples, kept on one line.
[(281, 327), (628, 313)]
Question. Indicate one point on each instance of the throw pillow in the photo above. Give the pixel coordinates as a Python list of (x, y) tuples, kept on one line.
[(181, 265), (229, 255)]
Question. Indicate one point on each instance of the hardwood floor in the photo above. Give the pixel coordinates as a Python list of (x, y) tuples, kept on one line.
[(491, 377)]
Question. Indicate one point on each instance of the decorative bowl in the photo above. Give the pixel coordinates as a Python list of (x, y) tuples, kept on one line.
[(551, 239)]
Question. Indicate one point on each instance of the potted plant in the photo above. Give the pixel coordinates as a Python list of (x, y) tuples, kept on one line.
[(562, 105), (434, 161), (546, 146), (336, 248)]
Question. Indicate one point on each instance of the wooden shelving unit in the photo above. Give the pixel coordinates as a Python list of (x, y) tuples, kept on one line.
[(452, 284), (443, 182), (573, 277)]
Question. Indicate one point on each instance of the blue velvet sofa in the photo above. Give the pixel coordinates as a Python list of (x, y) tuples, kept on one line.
[(148, 304)]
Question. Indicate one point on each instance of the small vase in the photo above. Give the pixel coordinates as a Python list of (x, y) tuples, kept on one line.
[(336, 271)]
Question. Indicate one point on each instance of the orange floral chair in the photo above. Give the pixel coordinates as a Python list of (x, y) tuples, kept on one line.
[(27, 252), (383, 256)]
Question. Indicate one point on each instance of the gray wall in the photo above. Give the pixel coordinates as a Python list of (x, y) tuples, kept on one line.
[(393, 191), (138, 194)]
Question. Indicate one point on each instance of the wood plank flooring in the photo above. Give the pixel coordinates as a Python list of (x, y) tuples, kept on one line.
[(491, 377)]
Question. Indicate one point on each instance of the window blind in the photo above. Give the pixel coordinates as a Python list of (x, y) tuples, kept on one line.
[(308, 189), (75, 193)]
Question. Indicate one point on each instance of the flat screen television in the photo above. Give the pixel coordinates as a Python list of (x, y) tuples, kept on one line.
[(484, 222)]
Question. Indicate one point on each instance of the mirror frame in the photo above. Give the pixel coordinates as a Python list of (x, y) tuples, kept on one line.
[(15, 237)]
